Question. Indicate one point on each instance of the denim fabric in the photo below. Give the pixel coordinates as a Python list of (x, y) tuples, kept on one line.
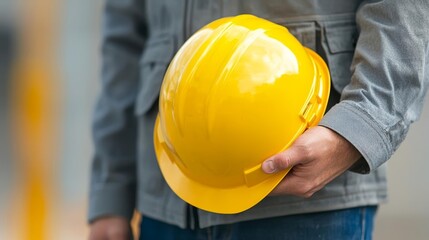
[(352, 223)]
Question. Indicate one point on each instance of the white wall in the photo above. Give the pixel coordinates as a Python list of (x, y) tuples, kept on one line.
[(406, 215)]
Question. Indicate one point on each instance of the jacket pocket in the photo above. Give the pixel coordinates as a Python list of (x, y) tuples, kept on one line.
[(339, 44), (305, 32), (153, 64)]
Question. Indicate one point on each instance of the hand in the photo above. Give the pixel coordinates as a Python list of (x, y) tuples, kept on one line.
[(112, 227), (317, 157)]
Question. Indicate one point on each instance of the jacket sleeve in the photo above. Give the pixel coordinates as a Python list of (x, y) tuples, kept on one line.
[(389, 79), (113, 176)]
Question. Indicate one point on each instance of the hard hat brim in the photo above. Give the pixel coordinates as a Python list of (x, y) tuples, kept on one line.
[(323, 85), (209, 198)]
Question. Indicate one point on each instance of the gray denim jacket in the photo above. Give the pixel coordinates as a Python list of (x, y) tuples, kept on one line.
[(377, 52)]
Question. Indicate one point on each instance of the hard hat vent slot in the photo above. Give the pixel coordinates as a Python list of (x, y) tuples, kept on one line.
[(308, 114)]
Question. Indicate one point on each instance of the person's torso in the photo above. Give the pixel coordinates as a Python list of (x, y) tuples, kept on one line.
[(328, 27)]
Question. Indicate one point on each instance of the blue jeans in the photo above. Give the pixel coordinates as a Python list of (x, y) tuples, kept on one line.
[(350, 224)]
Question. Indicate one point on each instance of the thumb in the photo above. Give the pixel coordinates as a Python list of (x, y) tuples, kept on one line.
[(281, 161)]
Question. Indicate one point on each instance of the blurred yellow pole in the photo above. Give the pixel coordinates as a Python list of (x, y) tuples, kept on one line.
[(35, 112)]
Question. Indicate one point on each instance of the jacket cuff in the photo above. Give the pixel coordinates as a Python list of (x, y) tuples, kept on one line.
[(111, 202), (363, 132)]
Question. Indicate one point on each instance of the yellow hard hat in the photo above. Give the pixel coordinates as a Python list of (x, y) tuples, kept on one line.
[(240, 90)]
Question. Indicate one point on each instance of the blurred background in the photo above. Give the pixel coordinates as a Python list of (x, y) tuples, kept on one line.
[(49, 70)]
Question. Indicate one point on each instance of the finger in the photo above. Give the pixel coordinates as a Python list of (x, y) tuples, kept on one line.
[(296, 154), (296, 185), (289, 185)]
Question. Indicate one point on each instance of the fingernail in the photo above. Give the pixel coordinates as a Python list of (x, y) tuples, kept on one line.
[(268, 166)]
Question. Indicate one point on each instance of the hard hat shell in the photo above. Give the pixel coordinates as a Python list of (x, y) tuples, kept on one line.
[(240, 90)]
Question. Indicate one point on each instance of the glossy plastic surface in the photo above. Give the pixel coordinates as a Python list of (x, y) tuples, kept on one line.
[(240, 90)]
